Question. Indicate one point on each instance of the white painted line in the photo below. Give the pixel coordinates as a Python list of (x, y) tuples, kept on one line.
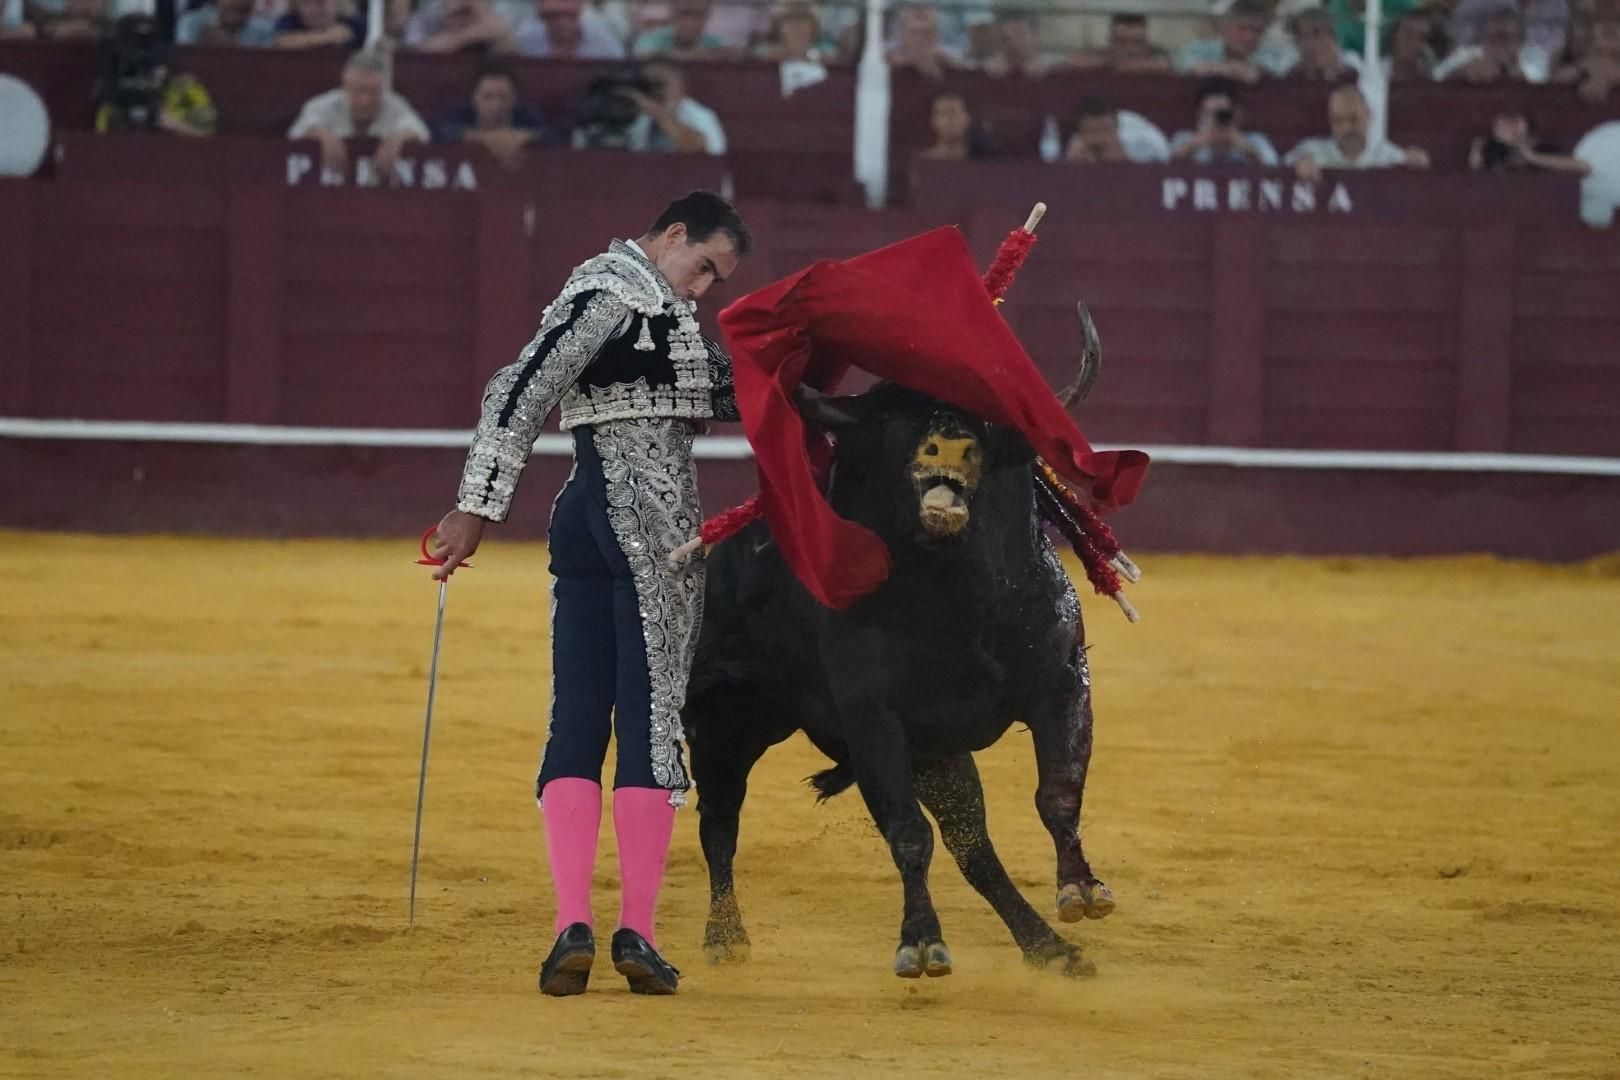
[(735, 448)]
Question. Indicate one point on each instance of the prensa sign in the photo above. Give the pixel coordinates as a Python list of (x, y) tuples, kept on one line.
[(1247, 194), (418, 174)]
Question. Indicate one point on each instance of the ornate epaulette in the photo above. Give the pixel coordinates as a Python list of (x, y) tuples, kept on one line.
[(622, 275)]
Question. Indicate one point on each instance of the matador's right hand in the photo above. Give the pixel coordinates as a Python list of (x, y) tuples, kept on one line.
[(455, 540)]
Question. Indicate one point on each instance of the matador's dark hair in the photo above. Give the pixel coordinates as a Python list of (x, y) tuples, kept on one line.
[(704, 213)]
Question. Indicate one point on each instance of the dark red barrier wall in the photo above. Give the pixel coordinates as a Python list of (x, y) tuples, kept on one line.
[(1407, 312)]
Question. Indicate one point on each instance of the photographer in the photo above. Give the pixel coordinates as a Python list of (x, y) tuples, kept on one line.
[(649, 111), (138, 92), (1219, 138)]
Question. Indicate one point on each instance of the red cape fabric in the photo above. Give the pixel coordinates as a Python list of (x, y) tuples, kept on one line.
[(915, 313)]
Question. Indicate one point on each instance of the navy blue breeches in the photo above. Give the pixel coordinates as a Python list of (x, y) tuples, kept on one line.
[(603, 672)]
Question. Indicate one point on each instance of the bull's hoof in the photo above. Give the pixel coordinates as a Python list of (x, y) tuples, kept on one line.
[(915, 961), (1093, 900), (728, 952), (1062, 958)]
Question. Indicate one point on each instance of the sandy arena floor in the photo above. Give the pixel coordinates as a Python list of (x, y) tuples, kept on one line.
[(1363, 819)]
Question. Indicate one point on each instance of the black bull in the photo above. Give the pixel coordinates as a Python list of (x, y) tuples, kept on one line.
[(977, 627)]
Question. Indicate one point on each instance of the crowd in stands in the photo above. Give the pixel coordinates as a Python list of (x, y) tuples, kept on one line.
[(1478, 42)]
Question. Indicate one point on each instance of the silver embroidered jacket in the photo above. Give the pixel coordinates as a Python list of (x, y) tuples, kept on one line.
[(616, 344)]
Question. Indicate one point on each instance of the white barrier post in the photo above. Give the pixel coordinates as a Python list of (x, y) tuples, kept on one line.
[(375, 15), (1374, 84), (872, 112)]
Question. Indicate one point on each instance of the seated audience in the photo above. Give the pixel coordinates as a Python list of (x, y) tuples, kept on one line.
[(956, 136), (1218, 137), (1350, 146), (1502, 55), (1410, 57), (225, 22), (919, 45), (362, 107), (687, 36), (1546, 22), (75, 20), (492, 118), (1513, 146), (1015, 51), (1236, 52), (449, 26), (794, 35), (1350, 20), (1320, 58), (1104, 133), (1128, 48), (561, 31), (314, 24), (1593, 67)]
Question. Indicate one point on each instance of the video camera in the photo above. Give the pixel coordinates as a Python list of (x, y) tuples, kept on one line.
[(605, 112), (129, 93)]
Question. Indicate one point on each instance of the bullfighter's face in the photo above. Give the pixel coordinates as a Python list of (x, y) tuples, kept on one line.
[(945, 471)]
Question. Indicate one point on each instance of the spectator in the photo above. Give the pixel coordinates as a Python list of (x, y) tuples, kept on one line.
[(956, 135), (562, 32), (1319, 57), (492, 118), (1545, 22), (78, 20), (363, 107), (451, 26), (1349, 147), (1017, 53), (313, 24), (1104, 133), (919, 46), (1512, 146), (1237, 51), (794, 35), (139, 92), (1594, 67), (670, 121), (1219, 138), (1410, 58), (1501, 56), (1128, 48), (686, 37), (225, 22)]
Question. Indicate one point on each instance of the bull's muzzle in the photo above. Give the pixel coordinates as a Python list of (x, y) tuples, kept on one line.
[(945, 473)]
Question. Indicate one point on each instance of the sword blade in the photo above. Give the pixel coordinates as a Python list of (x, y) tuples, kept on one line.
[(427, 735)]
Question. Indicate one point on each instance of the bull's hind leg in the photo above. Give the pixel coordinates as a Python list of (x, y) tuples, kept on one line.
[(1062, 757), (728, 738), (950, 789)]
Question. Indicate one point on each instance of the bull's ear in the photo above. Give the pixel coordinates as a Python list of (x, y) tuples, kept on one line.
[(825, 410)]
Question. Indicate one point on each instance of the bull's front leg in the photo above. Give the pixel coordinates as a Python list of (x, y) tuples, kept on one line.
[(879, 756), (1062, 757)]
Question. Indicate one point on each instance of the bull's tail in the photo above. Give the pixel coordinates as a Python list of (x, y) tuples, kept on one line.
[(830, 782)]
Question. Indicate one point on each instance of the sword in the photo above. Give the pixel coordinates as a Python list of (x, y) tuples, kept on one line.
[(427, 559)]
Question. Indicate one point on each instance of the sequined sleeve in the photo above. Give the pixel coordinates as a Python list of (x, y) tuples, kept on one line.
[(522, 394), (725, 393)]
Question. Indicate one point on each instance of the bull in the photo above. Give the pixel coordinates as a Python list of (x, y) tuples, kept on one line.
[(977, 627)]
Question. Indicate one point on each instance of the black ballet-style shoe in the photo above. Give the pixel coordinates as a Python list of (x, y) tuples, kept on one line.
[(636, 959), (568, 968)]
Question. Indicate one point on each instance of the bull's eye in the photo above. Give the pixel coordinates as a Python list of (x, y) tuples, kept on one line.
[(931, 450)]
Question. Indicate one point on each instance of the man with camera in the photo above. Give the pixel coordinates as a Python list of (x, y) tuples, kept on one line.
[(621, 352), (1219, 138), (647, 110)]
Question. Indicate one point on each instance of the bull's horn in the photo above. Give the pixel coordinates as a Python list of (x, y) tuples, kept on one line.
[(1090, 361), (822, 409)]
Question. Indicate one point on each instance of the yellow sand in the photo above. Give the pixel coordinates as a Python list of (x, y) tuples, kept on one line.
[(1362, 817)]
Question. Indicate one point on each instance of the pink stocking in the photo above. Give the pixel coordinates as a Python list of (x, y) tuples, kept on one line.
[(572, 809), (643, 819)]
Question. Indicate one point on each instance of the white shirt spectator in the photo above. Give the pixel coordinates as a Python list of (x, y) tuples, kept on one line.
[(1534, 61), (330, 112), (645, 135), (1377, 154)]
